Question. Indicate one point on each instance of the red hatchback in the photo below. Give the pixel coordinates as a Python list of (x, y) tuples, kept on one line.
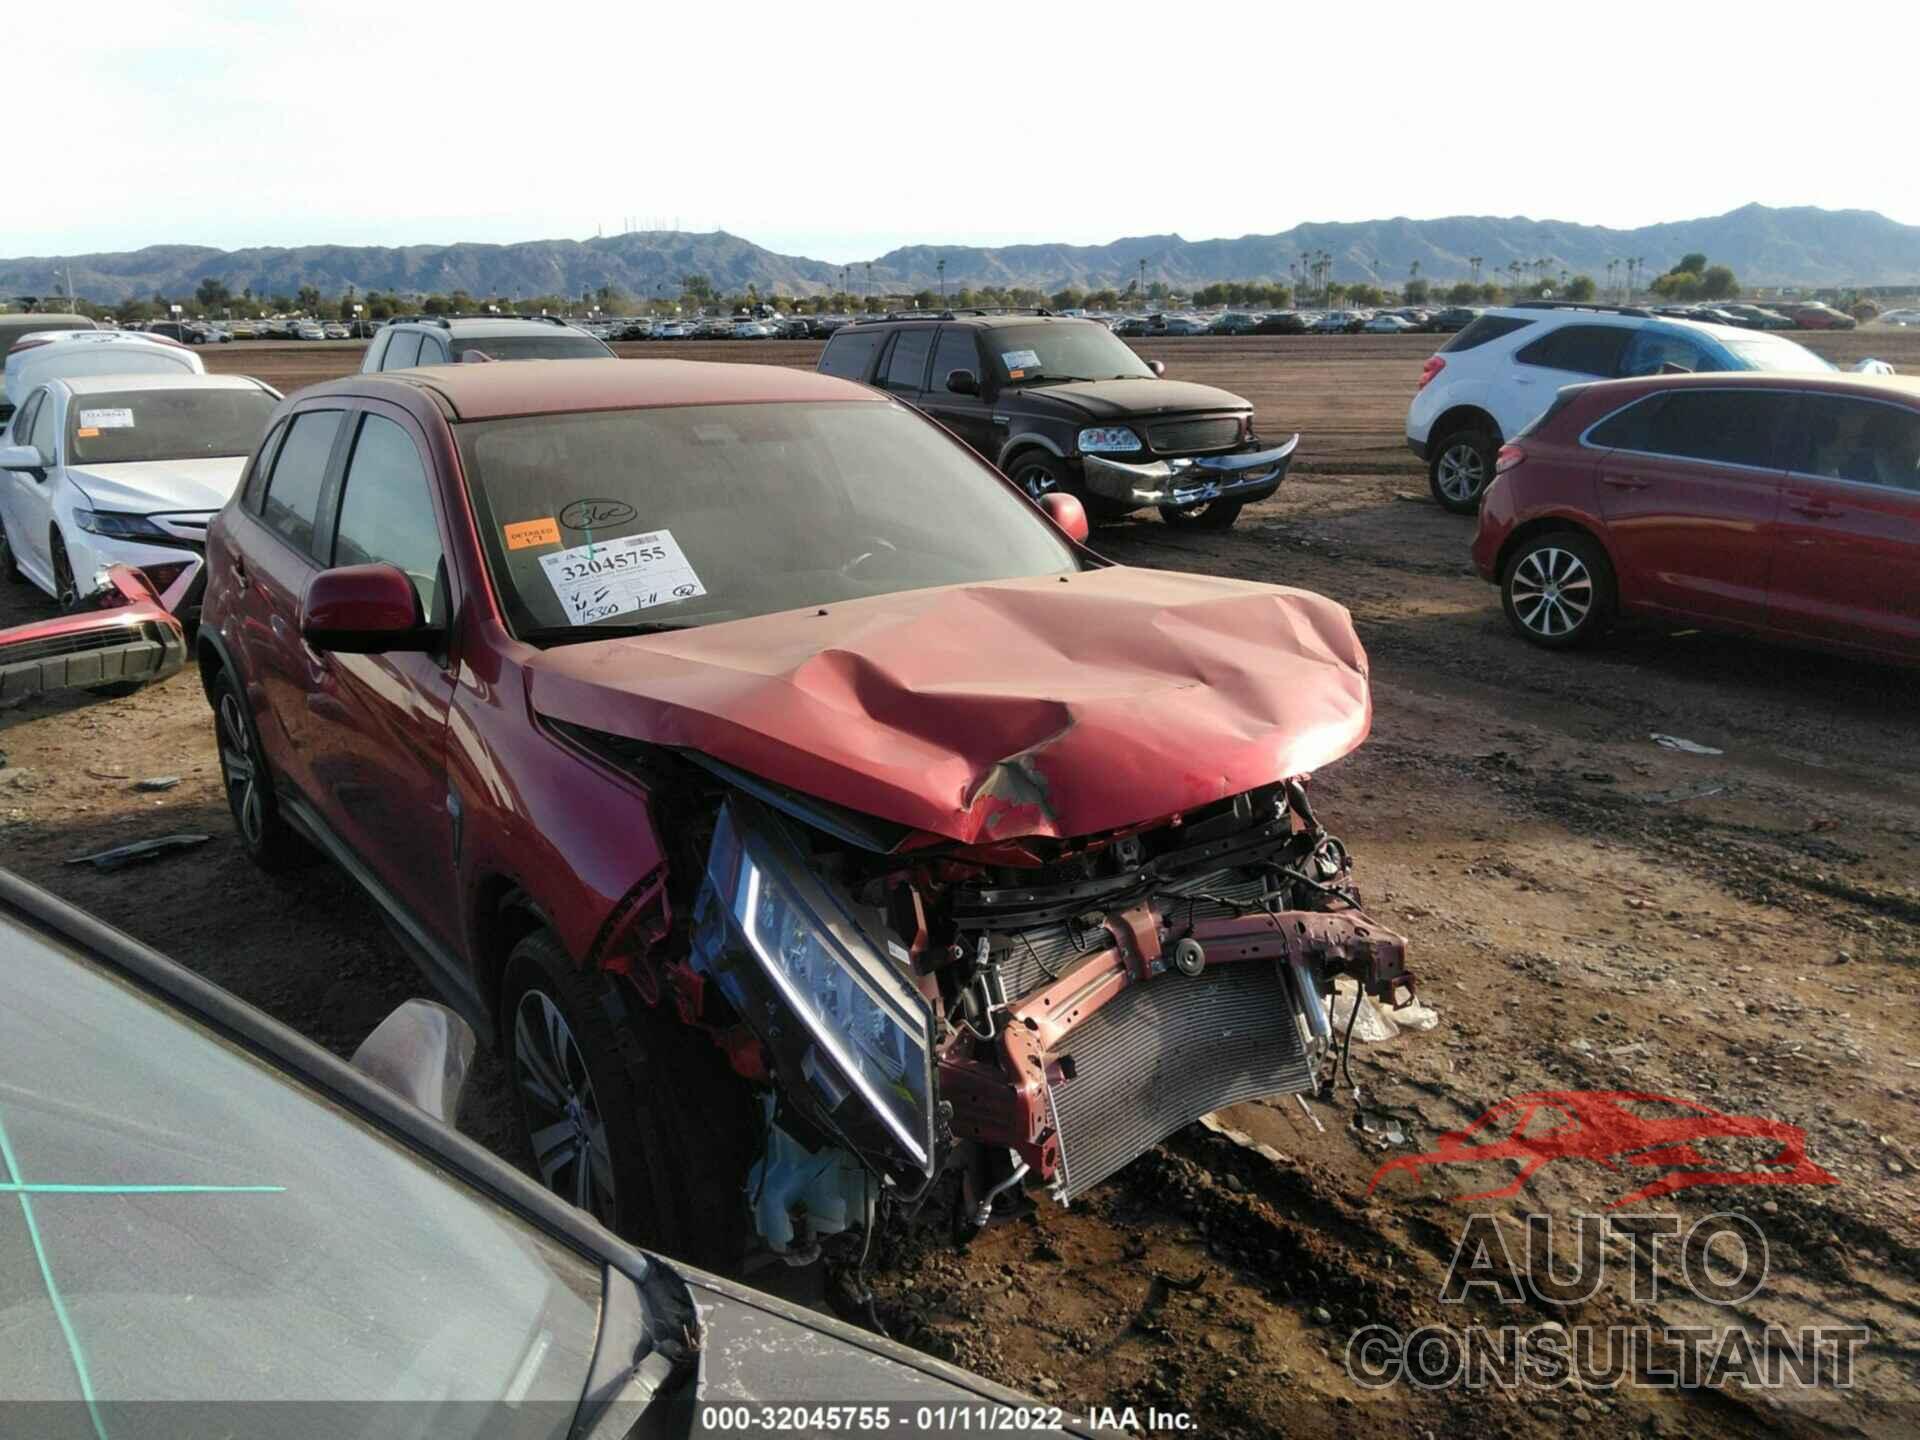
[(1783, 505), (824, 834)]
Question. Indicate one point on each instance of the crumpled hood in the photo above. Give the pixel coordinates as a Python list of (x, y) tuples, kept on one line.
[(160, 487), (1030, 707), (1117, 399)]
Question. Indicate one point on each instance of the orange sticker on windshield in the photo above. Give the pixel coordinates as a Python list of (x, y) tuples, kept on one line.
[(1015, 374), (523, 533), (87, 432)]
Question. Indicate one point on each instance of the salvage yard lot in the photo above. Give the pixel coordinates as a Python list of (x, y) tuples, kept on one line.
[(1586, 909)]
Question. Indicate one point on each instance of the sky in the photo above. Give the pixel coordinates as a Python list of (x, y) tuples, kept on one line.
[(832, 131)]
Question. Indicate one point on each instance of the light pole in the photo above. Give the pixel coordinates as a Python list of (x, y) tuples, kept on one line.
[(941, 266)]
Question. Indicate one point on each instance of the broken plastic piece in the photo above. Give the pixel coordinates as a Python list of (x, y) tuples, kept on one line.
[(121, 856)]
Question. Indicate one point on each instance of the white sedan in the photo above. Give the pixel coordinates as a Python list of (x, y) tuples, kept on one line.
[(124, 469), (1387, 325)]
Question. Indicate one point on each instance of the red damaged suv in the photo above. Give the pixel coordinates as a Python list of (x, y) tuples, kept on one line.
[(823, 832)]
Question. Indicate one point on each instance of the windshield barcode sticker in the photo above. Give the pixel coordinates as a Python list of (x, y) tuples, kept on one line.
[(616, 577), (107, 419), (1020, 359)]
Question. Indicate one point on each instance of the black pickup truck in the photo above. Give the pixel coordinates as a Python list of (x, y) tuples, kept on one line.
[(1063, 404)]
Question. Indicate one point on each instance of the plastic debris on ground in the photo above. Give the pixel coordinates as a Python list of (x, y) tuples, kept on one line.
[(1689, 747), (1376, 1022)]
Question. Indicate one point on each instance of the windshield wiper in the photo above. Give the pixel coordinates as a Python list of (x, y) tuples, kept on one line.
[(570, 634)]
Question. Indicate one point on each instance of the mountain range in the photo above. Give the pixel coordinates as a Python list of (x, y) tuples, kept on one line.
[(1800, 245)]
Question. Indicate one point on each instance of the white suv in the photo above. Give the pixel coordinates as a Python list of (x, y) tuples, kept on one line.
[(1491, 380)]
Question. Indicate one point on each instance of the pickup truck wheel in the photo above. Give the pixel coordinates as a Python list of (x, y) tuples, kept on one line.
[(1558, 590), (264, 833), (1461, 467), (628, 1114), (1207, 515), (1038, 473)]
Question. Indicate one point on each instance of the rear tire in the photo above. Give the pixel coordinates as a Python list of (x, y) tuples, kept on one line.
[(1558, 590), (264, 833), (620, 1103), (1461, 470), (1207, 515)]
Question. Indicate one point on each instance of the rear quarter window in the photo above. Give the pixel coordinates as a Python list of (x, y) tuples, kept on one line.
[(1480, 331), (1579, 349), (849, 354)]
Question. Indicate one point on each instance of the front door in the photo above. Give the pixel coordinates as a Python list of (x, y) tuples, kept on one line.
[(1846, 564), (968, 416), (1690, 488), (28, 501), (378, 723)]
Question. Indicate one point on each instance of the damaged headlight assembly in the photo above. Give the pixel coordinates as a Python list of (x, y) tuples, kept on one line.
[(847, 1031)]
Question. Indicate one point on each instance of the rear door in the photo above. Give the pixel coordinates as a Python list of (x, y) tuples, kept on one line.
[(275, 553), (377, 723), (1690, 490), (1566, 355), (1846, 562), (968, 416)]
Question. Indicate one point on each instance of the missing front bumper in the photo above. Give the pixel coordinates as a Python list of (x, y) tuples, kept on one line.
[(1189, 480)]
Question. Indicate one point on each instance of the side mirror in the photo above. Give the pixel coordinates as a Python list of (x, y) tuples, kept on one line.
[(363, 610), (1159, 367), (1068, 513), (421, 1052), (21, 457), (963, 382)]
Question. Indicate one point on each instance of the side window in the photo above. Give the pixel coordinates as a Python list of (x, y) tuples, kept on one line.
[(263, 463), (432, 351), (1482, 329), (1581, 349), (907, 365), (40, 434), (1651, 350), (403, 351), (23, 422), (1628, 429), (1859, 440), (956, 351), (850, 352), (1729, 427), (293, 490), (386, 512)]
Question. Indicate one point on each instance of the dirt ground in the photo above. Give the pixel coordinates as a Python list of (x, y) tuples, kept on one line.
[(1587, 909)]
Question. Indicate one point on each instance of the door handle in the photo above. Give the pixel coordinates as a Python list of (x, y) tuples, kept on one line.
[(1813, 509), (239, 572), (1625, 482)]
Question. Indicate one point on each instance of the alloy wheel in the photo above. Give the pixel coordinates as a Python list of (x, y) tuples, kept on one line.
[(1037, 480), (1463, 472), (238, 769), (66, 593), (1552, 592), (568, 1132)]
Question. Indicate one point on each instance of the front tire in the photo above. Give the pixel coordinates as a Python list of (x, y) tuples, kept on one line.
[(635, 1118), (1558, 590), (66, 593), (1207, 515), (1038, 473), (1461, 469)]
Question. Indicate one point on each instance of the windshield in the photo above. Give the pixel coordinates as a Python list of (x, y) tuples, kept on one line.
[(558, 346), (199, 1227), (692, 515), (1074, 351), (1773, 352), (128, 425)]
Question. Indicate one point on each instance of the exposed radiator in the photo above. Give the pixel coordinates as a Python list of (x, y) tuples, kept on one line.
[(1162, 1055)]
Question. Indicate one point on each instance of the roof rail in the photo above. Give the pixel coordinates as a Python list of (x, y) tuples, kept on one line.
[(954, 313), (1592, 305), (444, 321)]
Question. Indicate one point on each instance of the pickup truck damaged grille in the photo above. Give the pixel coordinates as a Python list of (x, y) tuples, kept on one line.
[(1163, 1054), (1177, 437)]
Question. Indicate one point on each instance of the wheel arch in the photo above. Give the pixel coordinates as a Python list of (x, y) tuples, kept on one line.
[(503, 914), (1028, 440), (1551, 525), (1462, 417)]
